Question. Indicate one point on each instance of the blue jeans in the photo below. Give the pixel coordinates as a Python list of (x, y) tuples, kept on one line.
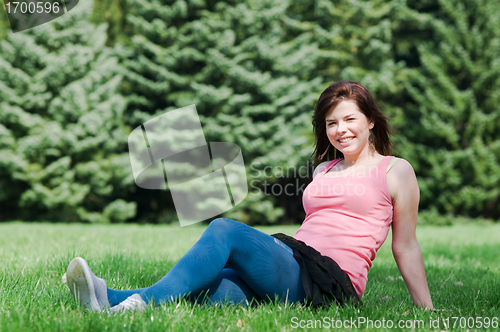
[(231, 262)]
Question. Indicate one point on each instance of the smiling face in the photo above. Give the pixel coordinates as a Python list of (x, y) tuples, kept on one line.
[(348, 129)]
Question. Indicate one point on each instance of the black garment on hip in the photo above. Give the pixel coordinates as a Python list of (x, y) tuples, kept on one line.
[(323, 280)]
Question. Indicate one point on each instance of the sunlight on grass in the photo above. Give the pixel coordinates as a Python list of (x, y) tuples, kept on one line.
[(461, 265)]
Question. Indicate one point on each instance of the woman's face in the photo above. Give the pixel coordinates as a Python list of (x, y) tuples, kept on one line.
[(348, 129)]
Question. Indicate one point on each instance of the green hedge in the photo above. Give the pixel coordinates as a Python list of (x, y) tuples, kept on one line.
[(63, 137), (72, 90)]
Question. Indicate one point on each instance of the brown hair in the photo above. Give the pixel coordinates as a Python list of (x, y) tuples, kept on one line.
[(329, 99)]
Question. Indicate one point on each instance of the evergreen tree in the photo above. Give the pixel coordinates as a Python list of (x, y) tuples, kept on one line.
[(254, 69), (452, 118), (62, 136), (252, 84), (4, 21)]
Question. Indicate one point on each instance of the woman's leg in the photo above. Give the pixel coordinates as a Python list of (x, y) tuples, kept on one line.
[(262, 262), (228, 287), (117, 296)]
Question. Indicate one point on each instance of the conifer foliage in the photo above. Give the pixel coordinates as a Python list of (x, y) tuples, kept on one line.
[(452, 114), (250, 71), (71, 91), (254, 69), (62, 134)]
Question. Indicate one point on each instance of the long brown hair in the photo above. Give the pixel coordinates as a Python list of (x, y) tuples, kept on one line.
[(329, 99)]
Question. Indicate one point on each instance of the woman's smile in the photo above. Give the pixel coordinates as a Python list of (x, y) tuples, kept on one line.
[(346, 139), (348, 129)]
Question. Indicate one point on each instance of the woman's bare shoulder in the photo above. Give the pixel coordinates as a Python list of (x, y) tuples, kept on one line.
[(320, 167), (400, 168), (401, 174)]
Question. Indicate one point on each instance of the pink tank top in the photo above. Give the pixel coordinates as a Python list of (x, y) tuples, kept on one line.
[(348, 219)]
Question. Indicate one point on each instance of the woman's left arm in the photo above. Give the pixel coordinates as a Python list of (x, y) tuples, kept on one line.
[(405, 194)]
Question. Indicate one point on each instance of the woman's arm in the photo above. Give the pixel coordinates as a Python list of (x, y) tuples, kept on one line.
[(405, 196)]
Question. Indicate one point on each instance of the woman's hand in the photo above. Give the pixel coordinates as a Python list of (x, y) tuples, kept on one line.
[(405, 195)]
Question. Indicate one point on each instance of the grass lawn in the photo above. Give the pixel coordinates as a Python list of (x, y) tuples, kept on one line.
[(462, 264)]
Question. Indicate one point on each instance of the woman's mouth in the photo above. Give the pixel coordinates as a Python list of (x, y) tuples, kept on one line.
[(346, 139)]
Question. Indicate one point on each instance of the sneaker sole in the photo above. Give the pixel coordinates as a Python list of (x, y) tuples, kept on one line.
[(79, 279)]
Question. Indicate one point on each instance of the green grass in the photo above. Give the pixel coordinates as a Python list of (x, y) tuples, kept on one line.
[(461, 263)]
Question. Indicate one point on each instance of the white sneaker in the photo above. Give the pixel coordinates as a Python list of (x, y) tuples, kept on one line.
[(89, 290), (133, 302)]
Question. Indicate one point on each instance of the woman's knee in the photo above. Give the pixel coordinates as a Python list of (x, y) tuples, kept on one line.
[(223, 224), (222, 227)]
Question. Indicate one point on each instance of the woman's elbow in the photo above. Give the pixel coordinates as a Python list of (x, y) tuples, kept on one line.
[(401, 248)]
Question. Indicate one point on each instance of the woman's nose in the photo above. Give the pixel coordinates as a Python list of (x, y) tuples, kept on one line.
[(341, 128)]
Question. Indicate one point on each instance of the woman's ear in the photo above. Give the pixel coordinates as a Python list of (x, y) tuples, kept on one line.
[(371, 125)]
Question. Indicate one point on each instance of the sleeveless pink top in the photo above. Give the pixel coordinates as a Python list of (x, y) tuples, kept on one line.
[(348, 219)]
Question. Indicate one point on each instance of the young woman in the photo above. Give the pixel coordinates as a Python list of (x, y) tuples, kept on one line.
[(350, 205)]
